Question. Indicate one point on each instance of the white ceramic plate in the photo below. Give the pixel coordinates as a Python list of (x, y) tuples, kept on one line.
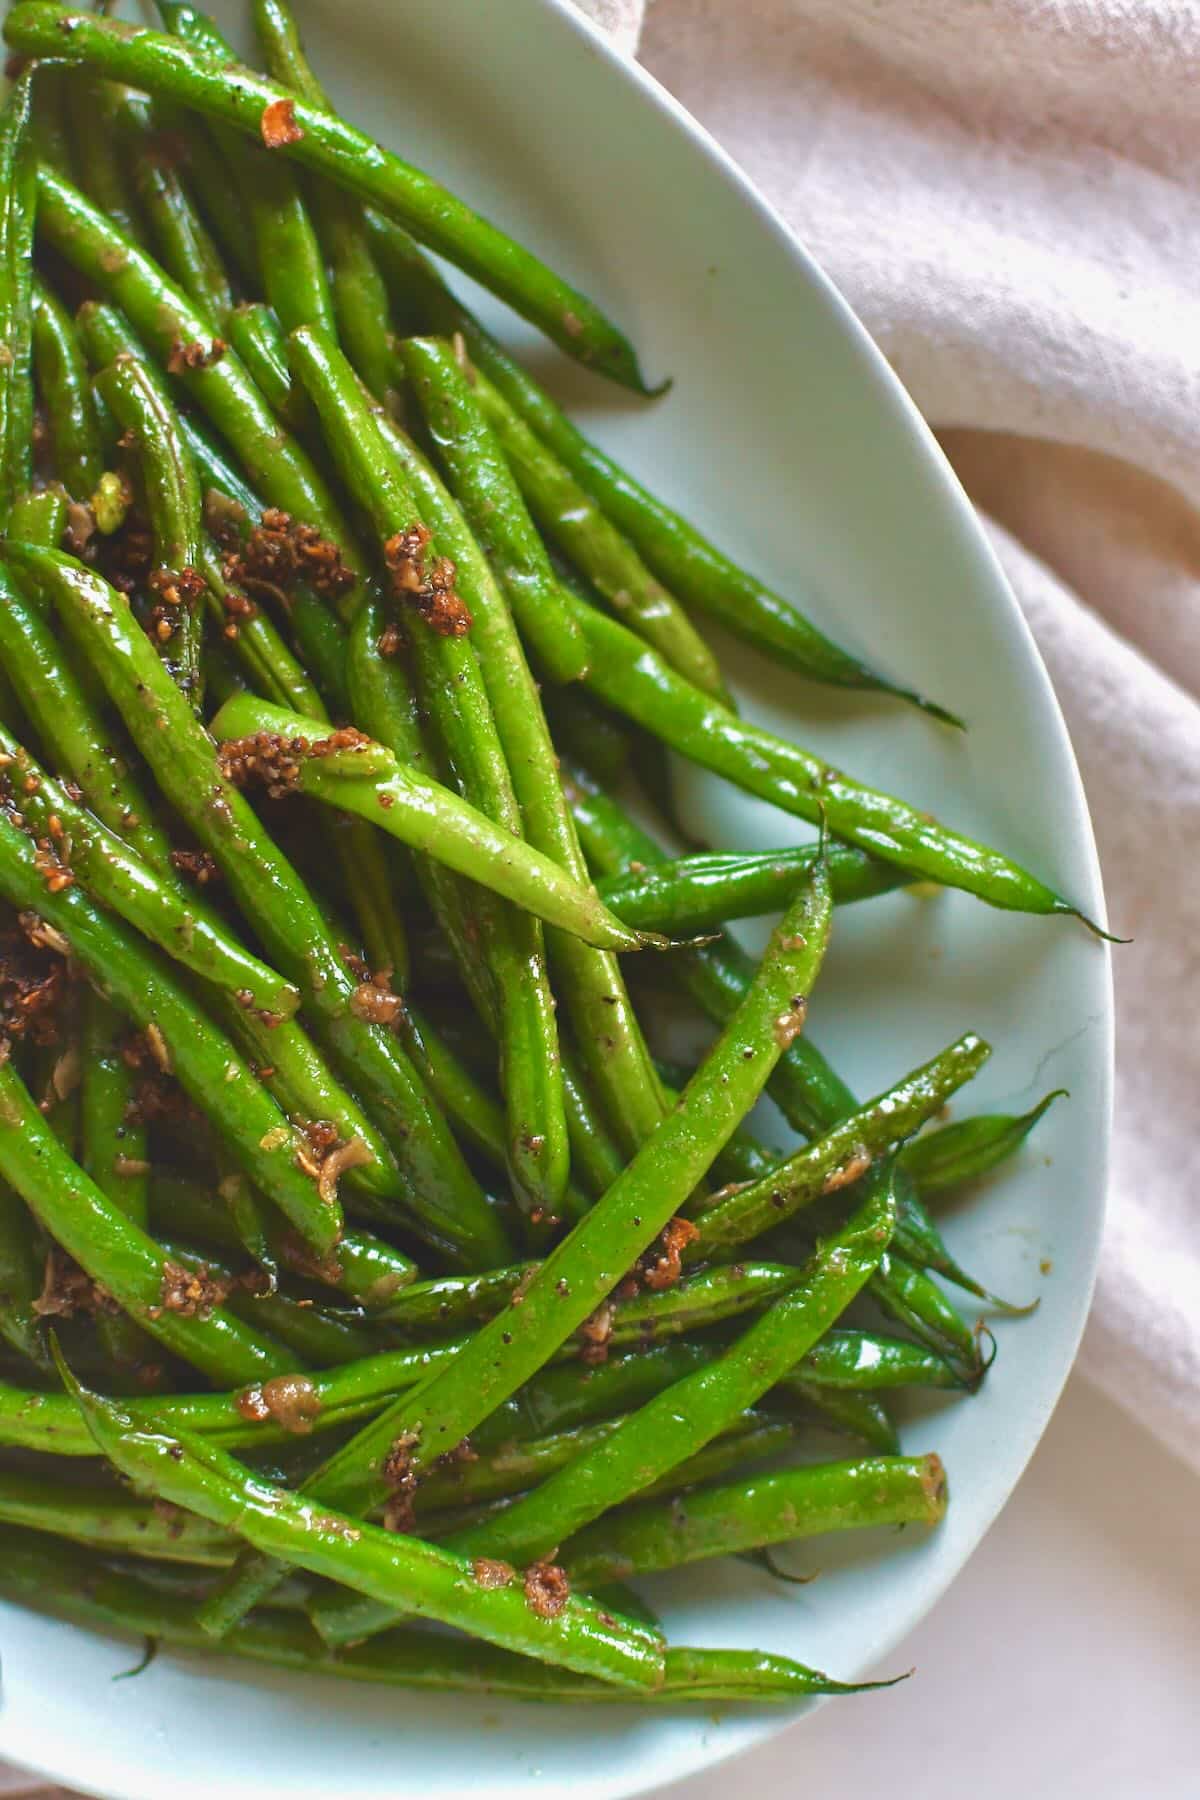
[(785, 431)]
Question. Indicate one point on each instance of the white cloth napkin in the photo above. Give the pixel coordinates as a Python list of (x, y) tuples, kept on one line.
[(1008, 192)]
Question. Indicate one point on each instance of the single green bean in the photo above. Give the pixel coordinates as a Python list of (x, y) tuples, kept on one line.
[(62, 380), (427, 816), (849, 1414), (257, 336), (182, 241), (18, 201), (767, 1509), (65, 1580), (39, 517), (209, 177), (114, 1251), (150, 426), (428, 1582), (21, 1280), (113, 1151), (52, 140), (864, 1361), (939, 1160), (238, 97), (103, 172), (104, 1519), (184, 760), (637, 682), (700, 893), (914, 1299), (179, 335)]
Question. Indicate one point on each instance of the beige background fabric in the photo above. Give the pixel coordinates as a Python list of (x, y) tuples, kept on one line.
[(1007, 192)]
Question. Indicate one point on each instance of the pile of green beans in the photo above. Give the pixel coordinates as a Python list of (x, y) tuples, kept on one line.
[(331, 1107)]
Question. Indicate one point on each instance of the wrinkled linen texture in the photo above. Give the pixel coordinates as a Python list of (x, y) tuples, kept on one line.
[(1008, 194)]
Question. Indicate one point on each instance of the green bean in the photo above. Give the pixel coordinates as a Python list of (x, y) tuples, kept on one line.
[(149, 424), (51, 1423), (238, 97), (104, 173), (113, 1152), (594, 1153), (635, 681), (564, 1395), (843, 1154), (122, 881), (849, 1414), (360, 300), (114, 1251), (182, 241), (699, 893), (21, 1281), (51, 139), (864, 1361), (63, 384), (962, 1152), (768, 1509), (267, 888), (258, 338), (211, 181), (911, 1297), (178, 333), (429, 1582), (104, 1519), (429, 817), (678, 554), (39, 517), (592, 989), (453, 694), (18, 200), (63, 1579), (661, 1434), (363, 1266), (720, 1292)]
